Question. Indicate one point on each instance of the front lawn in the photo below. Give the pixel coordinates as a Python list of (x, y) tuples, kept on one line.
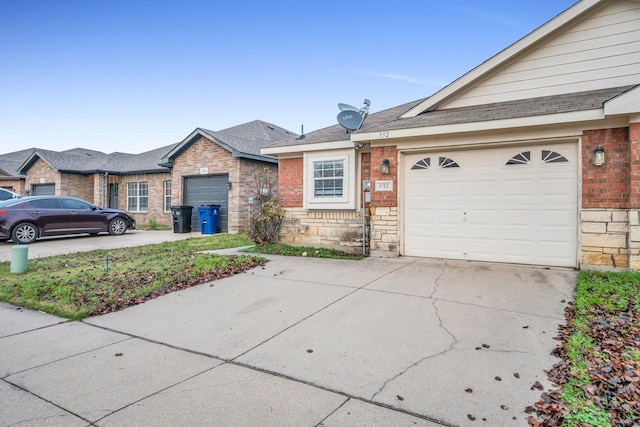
[(90, 283), (598, 376)]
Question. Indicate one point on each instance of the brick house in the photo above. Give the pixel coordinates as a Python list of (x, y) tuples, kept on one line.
[(207, 167), (504, 164)]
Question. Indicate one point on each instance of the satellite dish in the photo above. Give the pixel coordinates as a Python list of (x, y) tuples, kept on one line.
[(347, 107), (350, 119)]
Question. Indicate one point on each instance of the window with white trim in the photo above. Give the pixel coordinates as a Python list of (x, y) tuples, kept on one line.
[(166, 186), (137, 196), (328, 180)]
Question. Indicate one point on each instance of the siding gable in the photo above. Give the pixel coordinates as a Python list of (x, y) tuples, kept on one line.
[(600, 51)]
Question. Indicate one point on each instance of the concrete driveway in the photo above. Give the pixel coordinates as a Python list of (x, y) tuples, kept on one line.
[(388, 342)]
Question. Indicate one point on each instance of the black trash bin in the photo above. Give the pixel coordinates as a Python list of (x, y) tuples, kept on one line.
[(208, 218), (181, 218)]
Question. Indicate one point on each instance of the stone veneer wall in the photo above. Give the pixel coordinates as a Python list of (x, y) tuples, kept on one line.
[(605, 236), (384, 231), (336, 229)]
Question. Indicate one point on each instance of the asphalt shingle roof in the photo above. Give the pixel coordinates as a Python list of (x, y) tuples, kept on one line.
[(564, 103), (244, 140), (338, 133), (390, 119), (247, 138)]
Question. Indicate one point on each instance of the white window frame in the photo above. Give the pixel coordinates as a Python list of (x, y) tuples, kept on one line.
[(133, 194), (166, 191), (347, 200)]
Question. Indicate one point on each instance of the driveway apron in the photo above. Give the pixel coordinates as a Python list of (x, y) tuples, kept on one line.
[(302, 341)]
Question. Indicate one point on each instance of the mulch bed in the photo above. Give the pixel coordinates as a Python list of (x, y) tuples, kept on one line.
[(614, 374)]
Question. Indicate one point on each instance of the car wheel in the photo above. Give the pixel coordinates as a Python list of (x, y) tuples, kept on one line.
[(24, 233), (117, 226)]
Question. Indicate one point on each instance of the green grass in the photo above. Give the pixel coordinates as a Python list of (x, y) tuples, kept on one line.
[(306, 251), (596, 293), (74, 285)]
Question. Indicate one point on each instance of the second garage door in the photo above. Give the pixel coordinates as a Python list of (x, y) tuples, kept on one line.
[(208, 190), (515, 205)]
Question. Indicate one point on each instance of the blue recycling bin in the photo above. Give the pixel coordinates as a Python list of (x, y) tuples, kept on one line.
[(208, 218)]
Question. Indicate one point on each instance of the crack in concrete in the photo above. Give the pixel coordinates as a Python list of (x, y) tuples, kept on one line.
[(453, 342)]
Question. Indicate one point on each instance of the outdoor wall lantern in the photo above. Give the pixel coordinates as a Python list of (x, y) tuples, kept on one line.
[(599, 158), (229, 185), (384, 167)]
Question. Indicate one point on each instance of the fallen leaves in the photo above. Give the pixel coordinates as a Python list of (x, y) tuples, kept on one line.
[(106, 305), (613, 369)]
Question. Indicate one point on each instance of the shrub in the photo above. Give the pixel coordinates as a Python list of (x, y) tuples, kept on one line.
[(267, 217)]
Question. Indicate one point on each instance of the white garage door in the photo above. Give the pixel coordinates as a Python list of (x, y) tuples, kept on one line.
[(516, 205)]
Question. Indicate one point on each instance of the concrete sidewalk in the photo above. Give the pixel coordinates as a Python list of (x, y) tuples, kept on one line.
[(302, 341)]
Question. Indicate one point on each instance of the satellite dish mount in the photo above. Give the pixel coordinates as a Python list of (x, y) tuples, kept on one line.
[(350, 117)]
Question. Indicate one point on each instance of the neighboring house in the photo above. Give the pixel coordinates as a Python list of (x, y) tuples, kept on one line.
[(220, 167), (498, 165), (10, 178), (207, 167)]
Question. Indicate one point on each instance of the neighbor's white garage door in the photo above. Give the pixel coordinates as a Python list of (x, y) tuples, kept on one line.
[(516, 205)]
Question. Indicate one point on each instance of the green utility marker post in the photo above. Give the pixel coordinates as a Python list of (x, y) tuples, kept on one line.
[(19, 255)]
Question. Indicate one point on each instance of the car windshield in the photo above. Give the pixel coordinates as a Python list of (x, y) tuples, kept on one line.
[(6, 194)]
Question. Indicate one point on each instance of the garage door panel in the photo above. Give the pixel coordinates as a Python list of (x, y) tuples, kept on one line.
[(489, 211), (208, 190)]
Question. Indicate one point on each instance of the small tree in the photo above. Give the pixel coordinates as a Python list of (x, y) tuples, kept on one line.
[(267, 215)]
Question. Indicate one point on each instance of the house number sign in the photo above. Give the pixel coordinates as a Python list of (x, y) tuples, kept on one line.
[(384, 186)]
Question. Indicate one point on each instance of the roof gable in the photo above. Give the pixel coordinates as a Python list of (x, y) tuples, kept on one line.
[(64, 162), (243, 141), (592, 45), (259, 131)]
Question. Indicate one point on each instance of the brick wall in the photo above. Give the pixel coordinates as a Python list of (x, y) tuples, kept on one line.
[(76, 185), (15, 185), (384, 198), (343, 228), (291, 182), (156, 197), (610, 219), (41, 173), (606, 186), (205, 153)]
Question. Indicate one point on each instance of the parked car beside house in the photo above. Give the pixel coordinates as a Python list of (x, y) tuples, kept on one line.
[(24, 220)]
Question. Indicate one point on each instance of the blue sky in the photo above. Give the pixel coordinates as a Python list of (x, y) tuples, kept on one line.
[(135, 75)]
